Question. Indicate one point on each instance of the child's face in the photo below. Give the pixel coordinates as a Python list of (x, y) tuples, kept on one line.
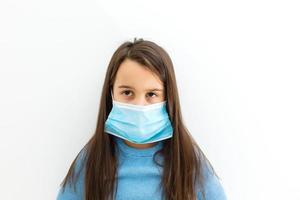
[(137, 85)]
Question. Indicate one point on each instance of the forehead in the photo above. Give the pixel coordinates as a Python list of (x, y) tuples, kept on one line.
[(136, 75)]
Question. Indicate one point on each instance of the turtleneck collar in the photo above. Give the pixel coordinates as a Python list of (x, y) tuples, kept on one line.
[(132, 151)]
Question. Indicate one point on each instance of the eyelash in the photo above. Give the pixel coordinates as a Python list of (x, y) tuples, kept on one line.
[(130, 91)]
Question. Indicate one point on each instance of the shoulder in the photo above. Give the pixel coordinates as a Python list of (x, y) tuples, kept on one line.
[(212, 185), (75, 190)]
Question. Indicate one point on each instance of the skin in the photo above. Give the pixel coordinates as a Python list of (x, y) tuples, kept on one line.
[(135, 84)]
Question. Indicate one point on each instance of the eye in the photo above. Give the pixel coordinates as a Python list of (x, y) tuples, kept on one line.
[(126, 92), (151, 94)]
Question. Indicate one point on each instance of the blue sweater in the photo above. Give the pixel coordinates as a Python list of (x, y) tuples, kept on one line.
[(139, 177)]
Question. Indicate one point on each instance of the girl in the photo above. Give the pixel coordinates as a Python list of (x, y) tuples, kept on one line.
[(141, 149)]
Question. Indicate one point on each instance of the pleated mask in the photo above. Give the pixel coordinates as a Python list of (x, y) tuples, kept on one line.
[(139, 124)]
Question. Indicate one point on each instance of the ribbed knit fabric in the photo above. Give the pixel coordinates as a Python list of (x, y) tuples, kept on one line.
[(139, 177)]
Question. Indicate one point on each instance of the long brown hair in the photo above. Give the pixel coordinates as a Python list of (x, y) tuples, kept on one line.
[(183, 158)]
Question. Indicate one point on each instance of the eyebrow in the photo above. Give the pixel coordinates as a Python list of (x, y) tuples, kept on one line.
[(129, 87)]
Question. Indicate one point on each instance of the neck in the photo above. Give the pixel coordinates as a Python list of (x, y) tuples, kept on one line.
[(139, 146)]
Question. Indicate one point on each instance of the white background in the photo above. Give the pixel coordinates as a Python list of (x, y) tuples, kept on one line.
[(237, 66)]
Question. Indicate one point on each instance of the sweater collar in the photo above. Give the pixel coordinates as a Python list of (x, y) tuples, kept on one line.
[(132, 151)]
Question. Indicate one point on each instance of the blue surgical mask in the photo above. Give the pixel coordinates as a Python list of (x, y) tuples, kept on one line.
[(139, 124)]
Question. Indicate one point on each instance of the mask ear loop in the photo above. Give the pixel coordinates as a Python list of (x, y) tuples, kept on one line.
[(111, 93)]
